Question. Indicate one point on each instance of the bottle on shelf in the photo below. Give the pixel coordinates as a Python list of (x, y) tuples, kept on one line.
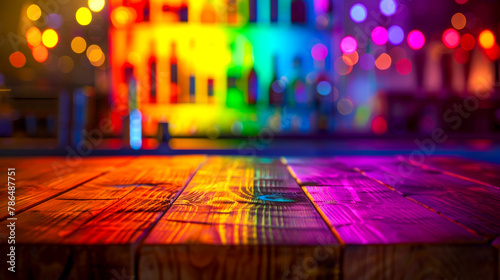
[(183, 12), (252, 10), (208, 13), (232, 11), (192, 78), (274, 10), (210, 89), (298, 12), (153, 69), (277, 86), (174, 84), (252, 87), (299, 95)]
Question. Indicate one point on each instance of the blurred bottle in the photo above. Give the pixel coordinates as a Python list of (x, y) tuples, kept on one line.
[(274, 10), (252, 10), (146, 11), (152, 68), (208, 13), (298, 12), (277, 87), (210, 89), (252, 87), (299, 86), (183, 12), (192, 80), (232, 11), (174, 87)]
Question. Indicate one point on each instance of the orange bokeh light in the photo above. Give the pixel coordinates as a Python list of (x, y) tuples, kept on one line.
[(34, 36), (17, 59), (40, 53), (487, 39)]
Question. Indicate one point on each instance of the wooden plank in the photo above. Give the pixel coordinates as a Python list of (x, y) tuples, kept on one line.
[(470, 204), (389, 236), (240, 218), (481, 172), (41, 178), (101, 222)]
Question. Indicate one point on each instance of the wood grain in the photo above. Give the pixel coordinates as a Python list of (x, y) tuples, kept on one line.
[(240, 218), (389, 236), (42, 178), (106, 217), (481, 172), (470, 204)]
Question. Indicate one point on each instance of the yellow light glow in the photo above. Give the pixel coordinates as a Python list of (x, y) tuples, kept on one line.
[(95, 55), (83, 16), (122, 16), (34, 36), (487, 39), (96, 5), (34, 12), (78, 45), (50, 38)]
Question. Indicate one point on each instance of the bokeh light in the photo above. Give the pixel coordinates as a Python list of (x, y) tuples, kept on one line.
[(467, 42), (96, 5), (95, 55), (40, 53), (367, 61), (83, 16), (416, 39), (341, 67), (65, 64), (404, 66), (396, 34), (350, 58), (50, 38), (319, 52), (383, 61), (78, 44), (461, 55), (34, 12), (388, 7), (450, 38), (493, 53), (17, 59), (379, 35), (461, 1), (122, 16), (348, 44), (344, 106), (54, 21), (487, 39), (324, 88), (458, 21), (34, 36), (379, 125), (358, 12)]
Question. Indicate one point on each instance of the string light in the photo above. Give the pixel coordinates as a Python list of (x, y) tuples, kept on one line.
[(50, 38), (34, 12), (83, 16)]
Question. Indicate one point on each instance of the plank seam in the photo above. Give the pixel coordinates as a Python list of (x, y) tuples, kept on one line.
[(140, 240), (323, 217), (125, 162), (417, 202)]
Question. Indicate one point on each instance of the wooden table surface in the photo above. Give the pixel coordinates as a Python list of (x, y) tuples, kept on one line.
[(223, 217)]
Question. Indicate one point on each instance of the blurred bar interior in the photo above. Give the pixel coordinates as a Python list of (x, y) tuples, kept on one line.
[(134, 74)]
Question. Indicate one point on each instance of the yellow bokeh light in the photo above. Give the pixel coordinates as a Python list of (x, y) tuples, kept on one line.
[(95, 55), (50, 38), (34, 12), (458, 21), (78, 44), (96, 5), (122, 16), (83, 16), (34, 36), (487, 39)]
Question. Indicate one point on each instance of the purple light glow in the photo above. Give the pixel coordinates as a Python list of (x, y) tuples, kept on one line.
[(380, 35), (319, 52)]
